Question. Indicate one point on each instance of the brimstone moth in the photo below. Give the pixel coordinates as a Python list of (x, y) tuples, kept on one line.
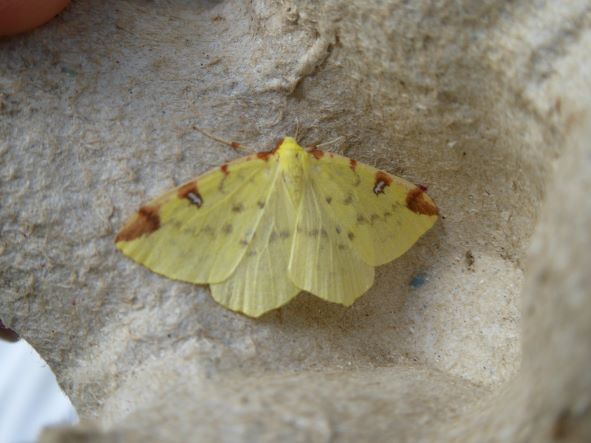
[(264, 227)]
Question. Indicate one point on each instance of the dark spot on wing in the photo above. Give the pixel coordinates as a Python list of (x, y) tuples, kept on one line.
[(195, 198), (382, 180), (243, 242), (261, 204), (284, 234), (418, 203), (207, 229), (338, 229), (348, 200), (328, 200), (189, 191), (146, 221), (273, 237), (227, 229), (239, 207), (373, 218), (350, 235), (316, 153), (361, 219), (224, 169), (352, 164), (342, 247)]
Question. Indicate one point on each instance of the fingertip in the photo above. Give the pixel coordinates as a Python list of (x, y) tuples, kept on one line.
[(18, 16)]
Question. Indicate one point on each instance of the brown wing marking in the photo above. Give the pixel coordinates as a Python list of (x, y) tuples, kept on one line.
[(316, 153), (416, 202), (382, 180), (146, 221), (266, 154), (190, 192)]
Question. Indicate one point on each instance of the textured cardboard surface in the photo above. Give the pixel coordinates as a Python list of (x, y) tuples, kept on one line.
[(485, 102)]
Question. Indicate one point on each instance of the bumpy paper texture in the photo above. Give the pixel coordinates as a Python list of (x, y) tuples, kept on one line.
[(486, 103)]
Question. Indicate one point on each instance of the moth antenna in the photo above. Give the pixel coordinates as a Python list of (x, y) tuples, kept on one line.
[(331, 142), (234, 145), (297, 129)]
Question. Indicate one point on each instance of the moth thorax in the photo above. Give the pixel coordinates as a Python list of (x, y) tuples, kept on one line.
[(293, 174), (293, 163)]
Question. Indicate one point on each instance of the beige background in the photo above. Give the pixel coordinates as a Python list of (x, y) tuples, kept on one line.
[(487, 102)]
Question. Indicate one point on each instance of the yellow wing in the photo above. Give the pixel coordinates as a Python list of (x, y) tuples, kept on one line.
[(260, 282), (381, 215), (200, 231), (322, 259)]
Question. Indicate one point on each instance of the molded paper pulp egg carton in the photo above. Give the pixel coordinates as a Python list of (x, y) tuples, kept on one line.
[(479, 333)]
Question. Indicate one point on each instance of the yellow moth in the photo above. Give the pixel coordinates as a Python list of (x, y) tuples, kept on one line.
[(264, 227)]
